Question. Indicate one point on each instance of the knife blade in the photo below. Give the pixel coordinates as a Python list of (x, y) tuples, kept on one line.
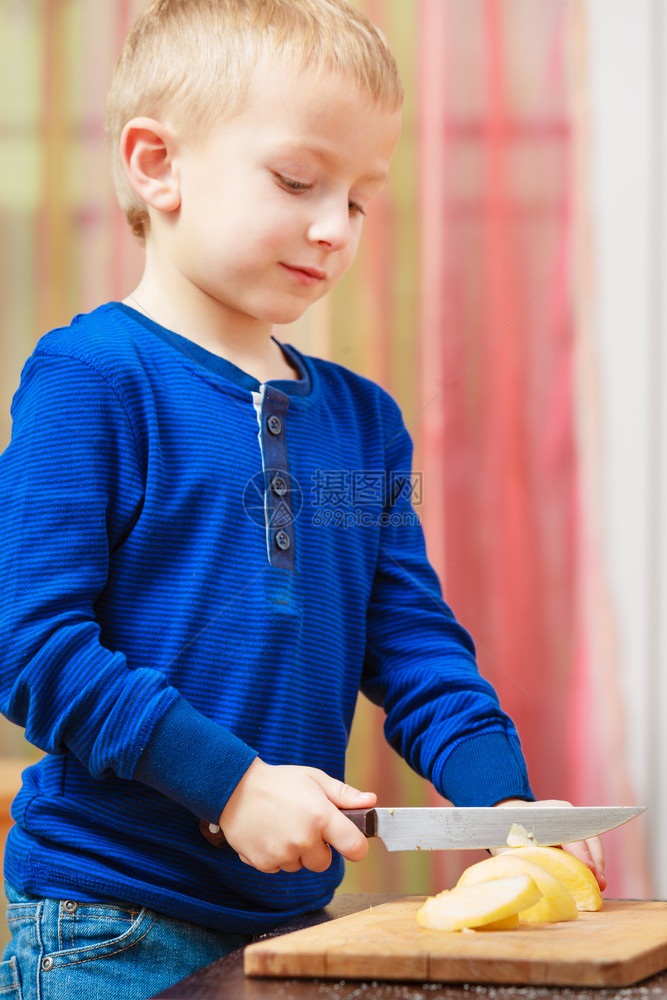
[(451, 828)]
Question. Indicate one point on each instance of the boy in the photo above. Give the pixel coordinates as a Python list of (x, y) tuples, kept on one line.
[(179, 650)]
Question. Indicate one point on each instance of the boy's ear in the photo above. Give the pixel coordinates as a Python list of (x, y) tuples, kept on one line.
[(146, 147)]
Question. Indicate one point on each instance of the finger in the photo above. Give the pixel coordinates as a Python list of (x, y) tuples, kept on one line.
[(292, 866), (317, 858), (337, 830), (341, 833), (596, 850), (266, 867), (342, 795), (580, 851), (537, 805), (591, 852)]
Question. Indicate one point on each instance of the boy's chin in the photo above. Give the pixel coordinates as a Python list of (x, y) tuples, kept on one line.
[(287, 315)]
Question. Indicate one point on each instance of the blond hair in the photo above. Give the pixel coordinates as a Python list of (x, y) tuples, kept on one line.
[(190, 62)]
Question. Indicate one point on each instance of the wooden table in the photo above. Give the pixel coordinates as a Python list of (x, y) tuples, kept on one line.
[(225, 980)]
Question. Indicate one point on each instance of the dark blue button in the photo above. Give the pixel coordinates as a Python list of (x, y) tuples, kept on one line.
[(274, 424), (283, 540), (279, 486)]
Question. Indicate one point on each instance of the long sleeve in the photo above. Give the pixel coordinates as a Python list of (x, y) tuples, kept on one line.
[(442, 716)]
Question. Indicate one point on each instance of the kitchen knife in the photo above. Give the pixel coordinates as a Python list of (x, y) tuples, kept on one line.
[(450, 828)]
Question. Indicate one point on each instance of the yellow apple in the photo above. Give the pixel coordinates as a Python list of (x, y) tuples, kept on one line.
[(504, 924)]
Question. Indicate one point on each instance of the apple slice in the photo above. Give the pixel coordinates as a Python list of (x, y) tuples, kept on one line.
[(577, 878), (556, 903), (478, 905), (504, 924)]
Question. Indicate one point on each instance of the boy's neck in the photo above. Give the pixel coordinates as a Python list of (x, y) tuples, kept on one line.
[(247, 344)]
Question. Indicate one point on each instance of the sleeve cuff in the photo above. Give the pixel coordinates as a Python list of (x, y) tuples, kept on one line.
[(194, 761), (483, 770)]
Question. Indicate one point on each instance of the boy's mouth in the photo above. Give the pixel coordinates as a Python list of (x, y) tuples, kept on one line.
[(308, 275)]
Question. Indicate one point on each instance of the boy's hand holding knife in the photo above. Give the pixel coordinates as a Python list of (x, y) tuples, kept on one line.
[(284, 817)]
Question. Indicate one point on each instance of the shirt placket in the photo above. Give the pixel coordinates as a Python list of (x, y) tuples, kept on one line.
[(278, 506)]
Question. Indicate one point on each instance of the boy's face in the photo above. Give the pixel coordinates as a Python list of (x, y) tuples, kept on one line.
[(272, 204)]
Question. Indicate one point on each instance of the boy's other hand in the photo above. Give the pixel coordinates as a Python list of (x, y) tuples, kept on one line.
[(590, 851), (284, 817)]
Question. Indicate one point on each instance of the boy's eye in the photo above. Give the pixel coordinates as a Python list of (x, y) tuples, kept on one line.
[(296, 187), (292, 185)]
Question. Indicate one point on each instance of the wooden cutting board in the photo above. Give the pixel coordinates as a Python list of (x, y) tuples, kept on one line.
[(623, 943)]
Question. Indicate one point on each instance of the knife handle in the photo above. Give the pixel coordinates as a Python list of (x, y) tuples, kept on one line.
[(364, 820), (213, 833)]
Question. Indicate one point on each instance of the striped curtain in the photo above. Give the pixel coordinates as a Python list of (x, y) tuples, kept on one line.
[(462, 304)]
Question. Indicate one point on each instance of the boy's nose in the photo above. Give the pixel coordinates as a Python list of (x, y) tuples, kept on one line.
[(331, 227)]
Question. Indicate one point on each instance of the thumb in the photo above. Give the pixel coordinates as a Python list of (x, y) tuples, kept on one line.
[(340, 832), (346, 796)]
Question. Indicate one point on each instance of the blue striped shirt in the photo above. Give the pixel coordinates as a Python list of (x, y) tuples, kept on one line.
[(196, 569)]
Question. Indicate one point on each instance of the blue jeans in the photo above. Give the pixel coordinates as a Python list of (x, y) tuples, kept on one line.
[(65, 950)]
